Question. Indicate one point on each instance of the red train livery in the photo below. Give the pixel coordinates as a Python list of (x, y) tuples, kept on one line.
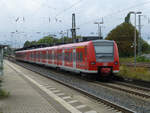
[(95, 57)]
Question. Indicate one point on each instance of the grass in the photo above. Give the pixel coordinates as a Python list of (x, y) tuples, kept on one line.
[(126, 59), (142, 59), (3, 93), (140, 73), (131, 59)]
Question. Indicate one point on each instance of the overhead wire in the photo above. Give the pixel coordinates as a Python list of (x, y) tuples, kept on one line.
[(118, 11), (70, 7)]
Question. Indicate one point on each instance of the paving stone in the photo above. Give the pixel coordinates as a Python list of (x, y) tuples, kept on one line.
[(23, 98)]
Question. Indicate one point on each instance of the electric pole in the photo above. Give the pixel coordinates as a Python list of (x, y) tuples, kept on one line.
[(140, 38), (73, 30), (99, 28), (135, 13)]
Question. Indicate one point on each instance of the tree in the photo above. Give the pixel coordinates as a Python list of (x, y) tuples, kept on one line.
[(123, 34), (27, 43), (145, 47), (46, 40)]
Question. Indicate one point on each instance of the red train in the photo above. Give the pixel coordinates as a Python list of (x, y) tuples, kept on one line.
[(94, 57)]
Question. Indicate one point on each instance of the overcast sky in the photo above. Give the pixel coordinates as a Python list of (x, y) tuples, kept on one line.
[(28, 17)]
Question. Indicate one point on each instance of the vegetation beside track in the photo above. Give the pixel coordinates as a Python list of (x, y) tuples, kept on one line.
[(127, 69), (3, 93), (140, 73), (140, 59)]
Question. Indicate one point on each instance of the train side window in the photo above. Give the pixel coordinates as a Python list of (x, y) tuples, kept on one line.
[(52, 56), (62, 56), (85, 51), (71, 57), (81, 57), (77, 57), (40, 55), (49, 55)]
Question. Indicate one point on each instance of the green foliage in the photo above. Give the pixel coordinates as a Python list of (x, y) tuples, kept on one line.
[(27, 43), (123, 34), (3, 93), (124, 37), (142, 59), (145, 47), (49, 40), (126, 59), (140, 73)]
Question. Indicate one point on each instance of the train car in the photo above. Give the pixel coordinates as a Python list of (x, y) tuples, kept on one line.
[(91, 57)]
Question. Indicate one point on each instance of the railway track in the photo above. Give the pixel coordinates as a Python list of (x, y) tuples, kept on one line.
[(140, 64), (133, 90), (115, 106)]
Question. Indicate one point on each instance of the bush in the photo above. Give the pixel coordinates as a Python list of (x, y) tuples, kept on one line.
[(3, 93), (140, 73), (142, 59)]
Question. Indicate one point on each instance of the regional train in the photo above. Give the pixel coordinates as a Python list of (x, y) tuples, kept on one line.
[(90, 57)]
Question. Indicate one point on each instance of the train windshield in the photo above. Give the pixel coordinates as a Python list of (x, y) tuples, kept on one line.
[(104, 51)]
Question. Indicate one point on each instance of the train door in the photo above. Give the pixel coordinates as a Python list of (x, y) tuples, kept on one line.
[(63, 57), (47, 58), (34, 56), (52, 52), (59, 54), (74, 58), (50, 57)]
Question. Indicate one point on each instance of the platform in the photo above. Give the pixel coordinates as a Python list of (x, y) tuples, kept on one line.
[(23, 98), (32, 93)]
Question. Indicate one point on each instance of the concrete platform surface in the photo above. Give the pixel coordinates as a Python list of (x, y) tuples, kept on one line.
[(23, 98), (32, 93)]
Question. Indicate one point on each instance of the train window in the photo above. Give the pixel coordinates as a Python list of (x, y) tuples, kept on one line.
[(81, 57), (66, 56), (85, 51), (104, 49), (77, 56), (62, 56), (37, 55), (40, 55), (51, 56), (70, 57), (48, 56)]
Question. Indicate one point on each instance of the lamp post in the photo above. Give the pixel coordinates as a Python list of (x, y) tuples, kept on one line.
[(135, 37), (99, 28)]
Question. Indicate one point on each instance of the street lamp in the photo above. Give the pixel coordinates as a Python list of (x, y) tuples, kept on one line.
[(132, 12), (99, 28)]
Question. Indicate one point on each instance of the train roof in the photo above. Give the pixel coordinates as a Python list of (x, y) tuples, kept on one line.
[(68, 45)]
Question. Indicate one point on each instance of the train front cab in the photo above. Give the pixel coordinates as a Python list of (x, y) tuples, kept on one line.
[(106, 56)]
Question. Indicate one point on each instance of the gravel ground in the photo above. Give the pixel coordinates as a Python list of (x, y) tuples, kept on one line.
[(126, 100)]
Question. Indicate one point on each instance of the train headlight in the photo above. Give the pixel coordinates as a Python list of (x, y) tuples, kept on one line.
[(116, 63), (93, 63)]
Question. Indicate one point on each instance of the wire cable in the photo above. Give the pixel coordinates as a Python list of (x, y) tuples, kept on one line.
[(119, 11), (70, 7)]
